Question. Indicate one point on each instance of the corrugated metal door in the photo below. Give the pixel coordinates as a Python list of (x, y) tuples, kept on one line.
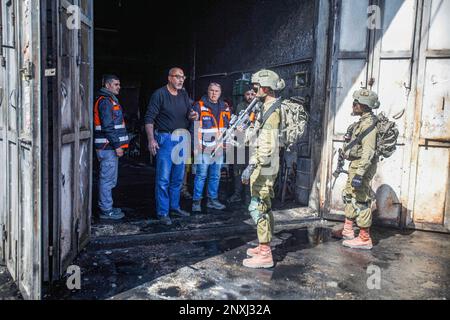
[(350, 67), (429, 200), (74, 137), (22, 156)]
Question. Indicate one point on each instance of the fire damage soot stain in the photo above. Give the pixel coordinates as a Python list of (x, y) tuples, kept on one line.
[(171, 292)]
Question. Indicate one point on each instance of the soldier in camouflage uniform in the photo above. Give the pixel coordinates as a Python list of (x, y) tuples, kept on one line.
[(264, 166), (358, 194)]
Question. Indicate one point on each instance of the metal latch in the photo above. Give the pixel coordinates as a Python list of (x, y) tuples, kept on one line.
[(50, 251), (27, 71), (26, 142)]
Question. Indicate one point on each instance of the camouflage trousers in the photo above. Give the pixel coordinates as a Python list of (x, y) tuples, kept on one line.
[(358, 202), (261, 205)]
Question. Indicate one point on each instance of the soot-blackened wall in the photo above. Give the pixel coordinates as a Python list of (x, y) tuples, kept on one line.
[(236, 37)]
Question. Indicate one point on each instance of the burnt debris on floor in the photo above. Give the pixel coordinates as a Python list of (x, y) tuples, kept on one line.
[(8, 289), (310, 264)]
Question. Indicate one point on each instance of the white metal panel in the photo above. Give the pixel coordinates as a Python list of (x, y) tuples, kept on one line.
[(398, 25), (431, 187), (394, 76), (351, 75), (337, 205), (12, 204), (439, 26), (3, 168), (436, 100), (387, 185), (29, 245), (353, 36), (66, 191)]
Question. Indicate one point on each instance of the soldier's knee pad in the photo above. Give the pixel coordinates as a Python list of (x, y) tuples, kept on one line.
[(254, 210)]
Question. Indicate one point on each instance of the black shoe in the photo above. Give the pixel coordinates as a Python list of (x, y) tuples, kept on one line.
[(165, 221), (180, 213)]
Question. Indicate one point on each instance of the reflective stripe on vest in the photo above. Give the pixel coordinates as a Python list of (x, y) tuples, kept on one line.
[(99, 128), (102, 142), (216, 130)]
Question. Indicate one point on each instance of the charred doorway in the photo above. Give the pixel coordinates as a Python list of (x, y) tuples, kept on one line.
[(212, 42)]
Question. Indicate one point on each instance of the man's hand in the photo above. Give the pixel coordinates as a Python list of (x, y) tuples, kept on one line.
[(247, 174), (153, 147), (193, 116), (357, 182), (119, 152)]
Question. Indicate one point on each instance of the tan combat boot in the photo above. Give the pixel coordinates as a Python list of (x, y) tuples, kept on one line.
[(363, 242), (263, 260), (254, 251), (346, 233)]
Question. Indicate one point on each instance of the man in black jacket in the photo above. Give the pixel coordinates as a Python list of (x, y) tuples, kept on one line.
[(111, 139)]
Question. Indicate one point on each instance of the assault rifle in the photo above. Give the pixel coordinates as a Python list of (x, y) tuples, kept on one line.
[(243, 120)]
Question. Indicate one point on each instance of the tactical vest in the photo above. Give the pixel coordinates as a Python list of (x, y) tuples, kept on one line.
[(210, 128), (101, 142)]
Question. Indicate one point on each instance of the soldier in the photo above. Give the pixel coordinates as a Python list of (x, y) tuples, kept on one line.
[(358, 194), (242, 193), (264, 165)]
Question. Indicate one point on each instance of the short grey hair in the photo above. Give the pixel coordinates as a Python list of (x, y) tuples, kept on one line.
[(215, 84), (173, 70)]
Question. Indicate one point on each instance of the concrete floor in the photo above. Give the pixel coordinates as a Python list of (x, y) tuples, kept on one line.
[(200, 257), (310, 264)]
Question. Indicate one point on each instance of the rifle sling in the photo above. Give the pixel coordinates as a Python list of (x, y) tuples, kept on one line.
[(361, 137), (269, 112)]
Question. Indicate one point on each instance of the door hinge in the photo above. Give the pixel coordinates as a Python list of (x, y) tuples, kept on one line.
[(2, 61), (50, 251), (28, 71), (3, 234)]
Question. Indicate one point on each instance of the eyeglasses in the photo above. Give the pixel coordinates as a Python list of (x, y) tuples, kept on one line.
[(179, 77)]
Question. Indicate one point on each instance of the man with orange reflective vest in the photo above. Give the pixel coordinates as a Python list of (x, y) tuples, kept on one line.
[(214, 119), (111, 139)]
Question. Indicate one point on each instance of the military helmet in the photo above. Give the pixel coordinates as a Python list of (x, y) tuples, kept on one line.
[(367, 97), (268, 78)]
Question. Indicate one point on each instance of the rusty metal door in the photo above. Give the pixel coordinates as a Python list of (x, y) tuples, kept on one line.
[(429, 200), (73, 139), (350, 67), (393, 74), (22, 144), (3, 110), (10, 52)]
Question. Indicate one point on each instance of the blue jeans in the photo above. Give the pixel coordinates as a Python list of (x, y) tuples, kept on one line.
[(207, 169), (169, 176), (109, 170)]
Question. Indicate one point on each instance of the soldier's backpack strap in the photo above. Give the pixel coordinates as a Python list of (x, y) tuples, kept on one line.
[(361, 136), (269, 112)]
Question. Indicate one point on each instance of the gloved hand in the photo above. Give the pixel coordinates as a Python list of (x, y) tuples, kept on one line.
[(357, 182), (248, 173)]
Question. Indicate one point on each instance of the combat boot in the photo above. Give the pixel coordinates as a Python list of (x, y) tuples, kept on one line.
[(347, 233), (363, 241), (263, 260), (235, 198), (254, 251)]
